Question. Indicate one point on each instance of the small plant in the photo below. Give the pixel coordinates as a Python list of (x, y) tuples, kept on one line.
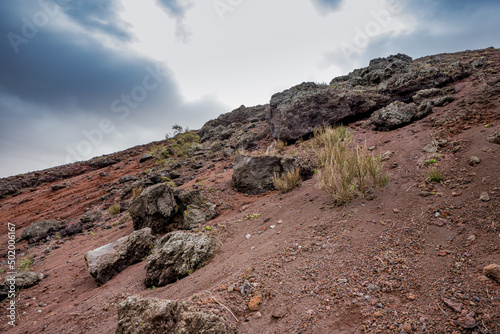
[(287, 181), (25, 263), (148, 171), (115, 223), (252, 216), (114, 209), (168, 181), (208, 228), (435, 175), (136, 192), (429, 162)]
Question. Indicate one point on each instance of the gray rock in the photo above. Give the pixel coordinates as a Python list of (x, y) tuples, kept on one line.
[(254, 175), (492, 271), (145, 157), (105, 262), (442, 101), (154, 208), (138, 315), (60, 186), (41, 229), (23, 280), (474, 161), (485, 197), (494, 138), (297, 111), (91, 216), (429, 148), (195, 215), (426, 94), (398, 114), (128, 178), (176, 255)]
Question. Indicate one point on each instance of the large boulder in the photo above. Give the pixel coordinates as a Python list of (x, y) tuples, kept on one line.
[(41, 230), (138, 315), (398, 114), (196, 209), (23, 280), (176, 255), (105, 262), (297, 111), (154, 208), (254, 174)]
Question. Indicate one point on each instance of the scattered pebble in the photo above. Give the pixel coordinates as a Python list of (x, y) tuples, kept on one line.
[(485, 197)]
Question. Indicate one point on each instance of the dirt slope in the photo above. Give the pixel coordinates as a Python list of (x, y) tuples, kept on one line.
[(381, 264)]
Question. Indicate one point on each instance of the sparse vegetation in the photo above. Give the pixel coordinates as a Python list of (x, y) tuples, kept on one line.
[(429, 162), (287, 181), (136, 192), (435, 174), (25, 263), (114, 209), (252, 216), (346, 170), (280, 145), (180, 145)]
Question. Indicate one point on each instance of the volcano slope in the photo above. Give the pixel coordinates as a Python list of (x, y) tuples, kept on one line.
[(406, 258)]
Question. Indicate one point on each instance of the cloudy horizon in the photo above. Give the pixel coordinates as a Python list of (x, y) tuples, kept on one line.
[(85, 78)]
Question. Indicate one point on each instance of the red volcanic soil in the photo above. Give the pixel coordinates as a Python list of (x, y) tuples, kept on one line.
[(380, 264)]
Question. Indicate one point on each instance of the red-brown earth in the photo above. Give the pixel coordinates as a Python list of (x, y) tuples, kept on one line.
[(380, 264)]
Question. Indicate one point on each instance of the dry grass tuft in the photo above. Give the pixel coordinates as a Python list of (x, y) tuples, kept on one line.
[(346, 170), (287, 181)]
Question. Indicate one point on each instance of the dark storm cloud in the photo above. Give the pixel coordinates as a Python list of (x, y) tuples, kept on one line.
[(59, 82), (97, 15)]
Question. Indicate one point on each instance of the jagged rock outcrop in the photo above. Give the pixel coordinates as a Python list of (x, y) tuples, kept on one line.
[(297, 111), (225, 125), (105, 262), (41, 230), (138, 315), (154, 208), (398, 114), (176, 255), (254, 174)]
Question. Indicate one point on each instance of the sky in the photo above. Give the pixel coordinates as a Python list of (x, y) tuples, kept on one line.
[(83, 78)]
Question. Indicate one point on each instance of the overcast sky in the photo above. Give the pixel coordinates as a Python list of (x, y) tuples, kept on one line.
[(81, 78)]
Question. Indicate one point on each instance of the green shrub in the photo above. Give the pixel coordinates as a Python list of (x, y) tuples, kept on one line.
[(287, 181), (434, 174)]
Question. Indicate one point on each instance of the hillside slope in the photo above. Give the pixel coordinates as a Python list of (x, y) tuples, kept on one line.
[(408, 257)]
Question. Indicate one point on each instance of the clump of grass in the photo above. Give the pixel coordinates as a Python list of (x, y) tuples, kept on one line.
[(346, 170), (287, 181), (435, 174), (168, 181), (25, 263), (280, 145), (114, 209), (136, 192), (252, 216)]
